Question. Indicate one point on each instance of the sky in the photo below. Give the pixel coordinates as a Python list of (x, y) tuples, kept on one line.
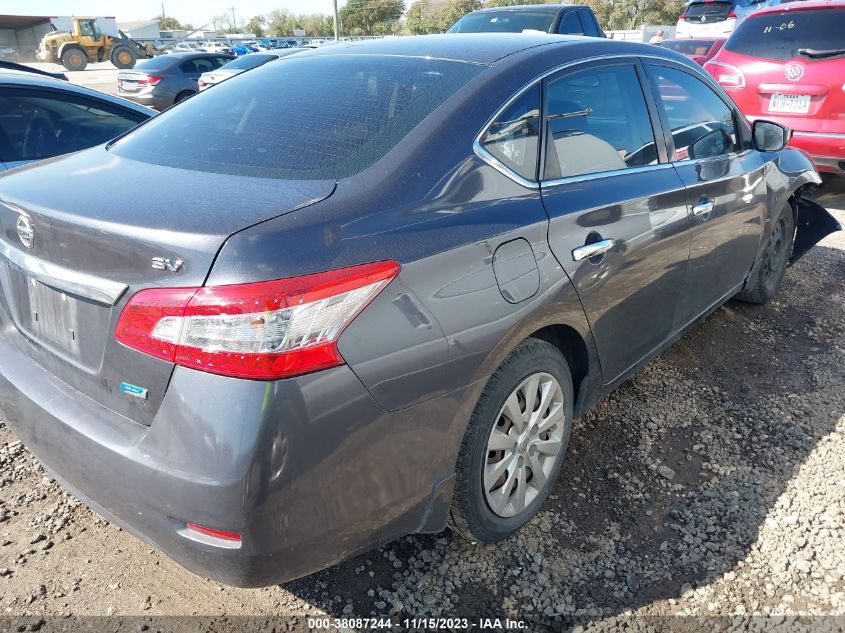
[(197, 12)]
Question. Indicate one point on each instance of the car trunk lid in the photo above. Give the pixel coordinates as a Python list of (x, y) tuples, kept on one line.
[(73, 253)]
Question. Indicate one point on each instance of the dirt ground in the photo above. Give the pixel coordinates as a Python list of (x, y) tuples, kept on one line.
[(710, 484)]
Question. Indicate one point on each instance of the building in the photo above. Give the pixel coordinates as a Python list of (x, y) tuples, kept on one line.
[(140, 29)]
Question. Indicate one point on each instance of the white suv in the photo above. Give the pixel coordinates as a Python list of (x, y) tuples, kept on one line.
[(715, 18)]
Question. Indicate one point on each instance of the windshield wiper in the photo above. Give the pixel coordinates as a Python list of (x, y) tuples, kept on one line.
[(812, 52)]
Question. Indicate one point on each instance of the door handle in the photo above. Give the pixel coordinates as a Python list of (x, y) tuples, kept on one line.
[(704, 208), (588, 251)]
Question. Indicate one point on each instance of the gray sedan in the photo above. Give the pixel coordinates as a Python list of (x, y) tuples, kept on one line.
[(167, 79), (364, 292)]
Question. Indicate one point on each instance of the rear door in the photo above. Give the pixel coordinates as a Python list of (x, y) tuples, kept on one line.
[(618, 217), (725, 187)]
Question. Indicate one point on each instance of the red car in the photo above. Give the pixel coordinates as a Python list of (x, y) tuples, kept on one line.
[(786, 63), (700, 50)]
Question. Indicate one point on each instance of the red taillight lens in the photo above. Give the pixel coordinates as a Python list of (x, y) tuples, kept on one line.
[(681, 17), (265, 330), (731, 15), (201, 83), (728, 76), (149, 81), (221, 534)]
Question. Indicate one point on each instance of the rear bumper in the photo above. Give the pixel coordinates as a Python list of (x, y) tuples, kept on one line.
[(826, 150), (149, 99), (309, 470)]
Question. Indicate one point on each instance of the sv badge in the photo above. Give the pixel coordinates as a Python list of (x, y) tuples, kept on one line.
[(166, 263)]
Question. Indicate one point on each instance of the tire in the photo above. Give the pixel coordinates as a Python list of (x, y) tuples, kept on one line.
[(490, 513), (182, 96), (123, 57), (767, 272), (74, 59)]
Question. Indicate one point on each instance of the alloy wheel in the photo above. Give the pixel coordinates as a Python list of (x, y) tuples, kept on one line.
[(524, 445)]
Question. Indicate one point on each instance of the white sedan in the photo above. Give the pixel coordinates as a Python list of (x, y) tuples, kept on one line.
[(241, 64)]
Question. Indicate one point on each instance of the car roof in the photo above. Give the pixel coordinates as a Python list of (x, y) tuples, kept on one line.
[(530, 7), (805, 5), (478, 48), (14, 78)]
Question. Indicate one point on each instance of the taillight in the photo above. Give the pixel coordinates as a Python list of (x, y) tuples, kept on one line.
[(731, 15), (149, 81), (223, 535), (728, 76), (681, 17), (264, 330), (201, 83)]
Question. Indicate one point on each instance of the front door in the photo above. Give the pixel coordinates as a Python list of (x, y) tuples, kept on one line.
[(618, 216), (726, 190)]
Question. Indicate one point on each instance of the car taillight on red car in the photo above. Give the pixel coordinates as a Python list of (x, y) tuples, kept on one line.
[(263, 331), (726, 75)]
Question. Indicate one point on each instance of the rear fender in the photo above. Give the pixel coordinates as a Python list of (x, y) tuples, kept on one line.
[(812, 224)]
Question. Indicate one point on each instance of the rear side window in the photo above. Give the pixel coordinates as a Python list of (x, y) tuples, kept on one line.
[(346, 113), (702, 124), (570, 24), (597, 121), (513, 138), (162, 62), (36, 124), (787, 35)]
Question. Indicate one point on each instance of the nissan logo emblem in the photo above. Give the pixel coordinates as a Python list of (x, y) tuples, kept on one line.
[(26, 232)]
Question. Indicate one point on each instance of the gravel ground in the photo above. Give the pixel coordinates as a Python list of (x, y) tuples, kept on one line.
[(710, 484)]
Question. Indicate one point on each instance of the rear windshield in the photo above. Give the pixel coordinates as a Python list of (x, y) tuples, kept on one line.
[(248, 61), (688, 47), (504, 22), (716, 9), (344, 113), (780, 36), (157, 63)]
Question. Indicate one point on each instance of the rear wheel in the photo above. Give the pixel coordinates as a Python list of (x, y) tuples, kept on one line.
[(770, 267), (515, 443), (182, 96), (74, 59), (123, 57)]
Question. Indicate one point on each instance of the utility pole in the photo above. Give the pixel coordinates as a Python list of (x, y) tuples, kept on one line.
[(336, 23), (234, 21)]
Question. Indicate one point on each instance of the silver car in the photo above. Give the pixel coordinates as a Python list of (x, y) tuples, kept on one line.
[(241, 64)]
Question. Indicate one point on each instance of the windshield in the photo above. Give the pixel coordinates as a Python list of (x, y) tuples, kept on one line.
[(504, 22), (253, 60), (780, 36), (346, 113), (688, 47)]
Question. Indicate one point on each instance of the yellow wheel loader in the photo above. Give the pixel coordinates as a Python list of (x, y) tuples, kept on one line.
[(87, 43)]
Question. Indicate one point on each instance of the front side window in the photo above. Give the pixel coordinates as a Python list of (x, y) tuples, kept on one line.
[(346, 113), (513, 138), (41, 124), (597, 121), (702, 125)]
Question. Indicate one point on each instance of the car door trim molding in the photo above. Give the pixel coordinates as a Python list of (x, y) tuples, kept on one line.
[(64, 279), (603, 174), (503, 169)]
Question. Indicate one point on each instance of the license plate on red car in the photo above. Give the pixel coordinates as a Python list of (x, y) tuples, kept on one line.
[(795, 104)]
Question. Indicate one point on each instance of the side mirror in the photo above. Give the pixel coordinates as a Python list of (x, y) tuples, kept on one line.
[(770, 137)]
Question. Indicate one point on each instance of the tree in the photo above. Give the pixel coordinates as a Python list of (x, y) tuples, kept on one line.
[(372, 17), (435, 16), (256, 25), (168, 24)]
